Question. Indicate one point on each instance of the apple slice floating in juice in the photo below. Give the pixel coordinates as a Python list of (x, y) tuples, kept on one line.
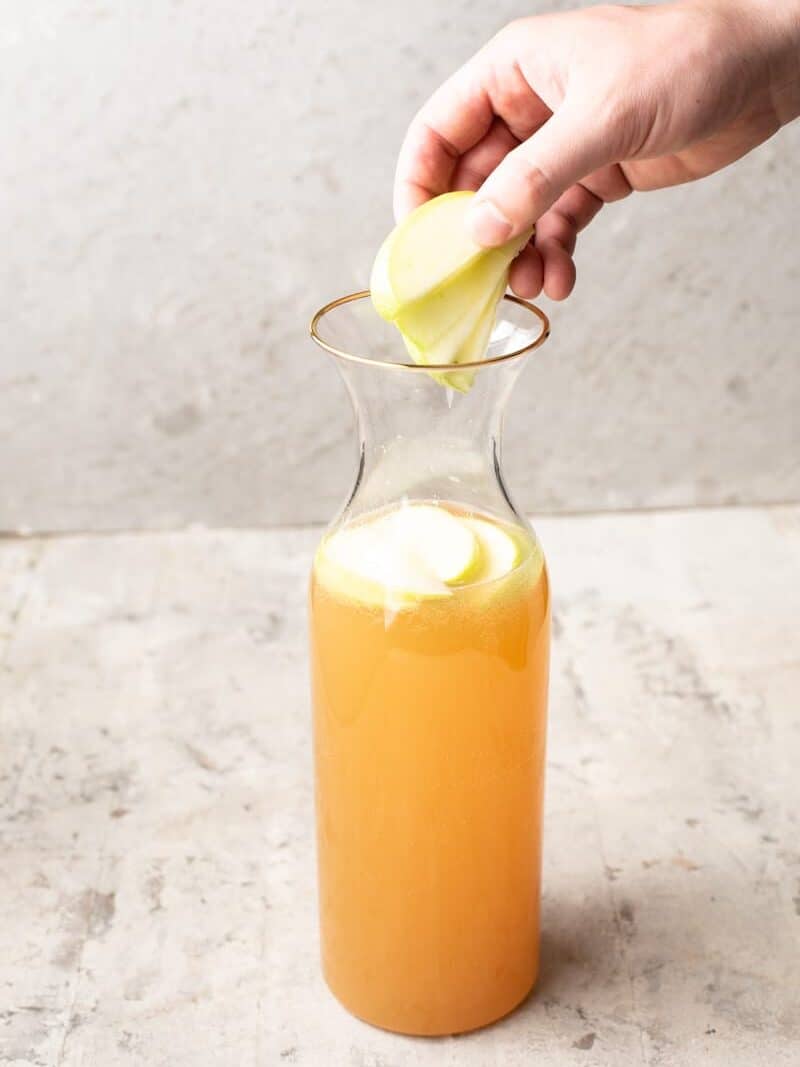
[(414, 553), (439, 541), (500, 552), (418, 552)]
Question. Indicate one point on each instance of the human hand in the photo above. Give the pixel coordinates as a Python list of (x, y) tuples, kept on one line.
[(561, 113)]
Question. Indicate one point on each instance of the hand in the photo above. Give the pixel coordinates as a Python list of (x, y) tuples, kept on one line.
[(560, 114)]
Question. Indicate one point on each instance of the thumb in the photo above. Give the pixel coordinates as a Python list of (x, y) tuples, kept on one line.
[(568, 147)]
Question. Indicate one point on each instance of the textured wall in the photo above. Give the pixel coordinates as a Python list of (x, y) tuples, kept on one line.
[(181, 184)]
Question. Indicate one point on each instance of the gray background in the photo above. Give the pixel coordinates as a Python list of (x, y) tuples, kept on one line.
[(181, 184)]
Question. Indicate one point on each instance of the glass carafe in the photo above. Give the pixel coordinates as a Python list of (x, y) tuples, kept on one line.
[(429, 708)]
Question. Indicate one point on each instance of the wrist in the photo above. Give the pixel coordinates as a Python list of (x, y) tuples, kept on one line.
[(770, 31)]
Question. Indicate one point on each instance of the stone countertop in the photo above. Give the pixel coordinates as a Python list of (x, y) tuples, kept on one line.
[(157, 899)]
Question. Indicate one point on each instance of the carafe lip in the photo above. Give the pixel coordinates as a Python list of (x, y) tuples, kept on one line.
[(388, 364)]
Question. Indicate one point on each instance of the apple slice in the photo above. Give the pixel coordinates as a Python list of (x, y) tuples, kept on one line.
[(437, 540), (455, 348), (429, 246), (439, 288), (454, 345), (453, 309), (415, 552), (500, 550), (359, 562)]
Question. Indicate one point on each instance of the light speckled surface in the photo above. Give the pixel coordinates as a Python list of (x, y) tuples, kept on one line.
[(184, 183), (157, 882)]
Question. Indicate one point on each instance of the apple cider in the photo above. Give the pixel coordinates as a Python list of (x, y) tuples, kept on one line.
[(430, 642)]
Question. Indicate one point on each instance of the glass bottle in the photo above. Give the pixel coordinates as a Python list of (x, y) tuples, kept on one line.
[(429, 710)]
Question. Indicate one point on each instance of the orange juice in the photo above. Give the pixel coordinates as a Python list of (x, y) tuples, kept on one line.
[(429, 733)]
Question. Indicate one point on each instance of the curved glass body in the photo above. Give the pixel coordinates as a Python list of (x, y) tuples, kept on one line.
[(429, 712)]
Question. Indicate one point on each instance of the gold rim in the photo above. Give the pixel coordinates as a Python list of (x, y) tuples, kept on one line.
[(389, 364)]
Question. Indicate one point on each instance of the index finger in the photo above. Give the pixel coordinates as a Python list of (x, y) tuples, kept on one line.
[(454, 119)]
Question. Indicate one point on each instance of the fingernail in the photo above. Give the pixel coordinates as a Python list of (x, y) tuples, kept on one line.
[(488, 224)]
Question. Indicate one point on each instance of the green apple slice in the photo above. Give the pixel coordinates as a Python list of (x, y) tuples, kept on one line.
[(500, 550), (453, 309), (440, 542), (439, 288), (454, 349), (416, 552), (360, 562), (429, 246)]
